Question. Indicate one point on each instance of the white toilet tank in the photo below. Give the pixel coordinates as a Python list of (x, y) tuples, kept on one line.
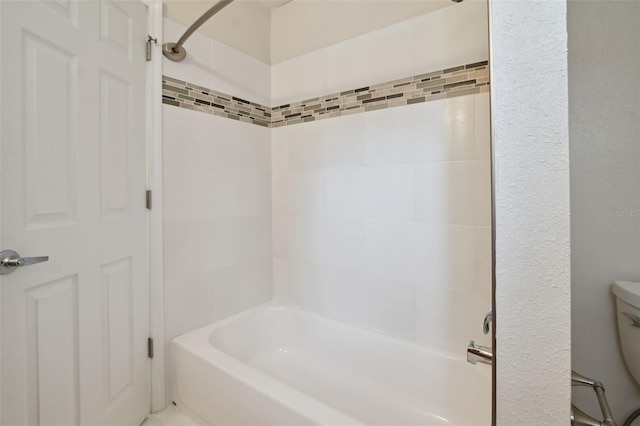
[(628, 313)]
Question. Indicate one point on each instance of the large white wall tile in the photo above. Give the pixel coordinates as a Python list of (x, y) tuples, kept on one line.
[(297, 79), (191, 302), (247, 146), (299, 283), (460, 130), (404, 202), (217, 212), (345, 244), (259, 238), (445, 38), (343, 141), (318, 144), (279, 193), (483, 127), (306, 146), (230, 243), (400, 250), (452, 256), (348, 65), (189, 138), (214, 65), (365, 300), (283, 235), (196, 66), (447, 319), (187, 192), (239, 192), (306, 192), (442, 130), (451, 36), (390, 192), (389, 140), (241, 287), (238, 74), (191, 239), (454, 192), (347, 192), (280, 148), (309, 241)]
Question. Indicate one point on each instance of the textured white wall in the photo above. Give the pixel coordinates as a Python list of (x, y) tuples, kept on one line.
[(604, 105), (530, 125)]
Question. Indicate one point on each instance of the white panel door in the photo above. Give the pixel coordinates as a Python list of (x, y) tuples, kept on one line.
[(72, 155)]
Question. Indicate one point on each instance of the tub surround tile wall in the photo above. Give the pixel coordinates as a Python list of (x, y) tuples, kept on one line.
[(217, 193), (210, 63), (191, 96), (217, 218), (383, 219), (378, 219), (435, 41), (461, 80)]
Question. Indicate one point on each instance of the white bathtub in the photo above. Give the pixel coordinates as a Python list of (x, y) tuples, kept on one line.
[(277, 365)]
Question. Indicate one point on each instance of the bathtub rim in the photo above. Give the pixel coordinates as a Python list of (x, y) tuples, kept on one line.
[(279, 305), (198, 343)]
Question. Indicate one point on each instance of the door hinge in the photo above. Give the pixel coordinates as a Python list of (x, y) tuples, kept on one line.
[(150, 347), (148, 199), (149, 40)]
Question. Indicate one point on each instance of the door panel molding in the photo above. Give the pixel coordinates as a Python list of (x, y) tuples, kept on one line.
[(73, 136)]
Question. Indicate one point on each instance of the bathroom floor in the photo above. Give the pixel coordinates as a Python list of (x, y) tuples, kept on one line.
[(168, 417)]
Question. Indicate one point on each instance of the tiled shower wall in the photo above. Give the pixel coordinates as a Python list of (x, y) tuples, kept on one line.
[(217, 194), (379, 218), (382, 219)]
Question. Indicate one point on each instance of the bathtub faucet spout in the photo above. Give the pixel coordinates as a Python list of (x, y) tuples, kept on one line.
[(479, 353)]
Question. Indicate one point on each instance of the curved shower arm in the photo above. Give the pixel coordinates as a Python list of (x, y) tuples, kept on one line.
[(175, 51)]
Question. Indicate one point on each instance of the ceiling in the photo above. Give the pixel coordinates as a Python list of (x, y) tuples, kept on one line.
[(244, 24), (276, 30)]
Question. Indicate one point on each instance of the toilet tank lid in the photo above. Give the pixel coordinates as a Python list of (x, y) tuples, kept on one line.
[(628, 291)]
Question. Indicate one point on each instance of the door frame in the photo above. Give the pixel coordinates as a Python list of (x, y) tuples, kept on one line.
[(492, 162), (154, 215)]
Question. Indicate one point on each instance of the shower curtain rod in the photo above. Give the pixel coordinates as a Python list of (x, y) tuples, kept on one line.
[(175, 51)]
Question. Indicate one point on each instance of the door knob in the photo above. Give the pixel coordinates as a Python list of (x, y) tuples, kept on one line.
[(10, 260)]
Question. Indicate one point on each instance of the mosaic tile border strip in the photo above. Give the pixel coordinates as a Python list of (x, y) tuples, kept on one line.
[(462, 80), (190, 96)]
